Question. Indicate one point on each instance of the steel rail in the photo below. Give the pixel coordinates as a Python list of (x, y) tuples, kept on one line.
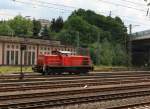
[(74, 99), (70, 84), (70, 78), (75, 91)]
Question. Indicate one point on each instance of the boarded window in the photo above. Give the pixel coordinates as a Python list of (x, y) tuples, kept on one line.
[(33, 58), (16, 58), (12, 57), (25, 58), (8, 60), (29, 58)]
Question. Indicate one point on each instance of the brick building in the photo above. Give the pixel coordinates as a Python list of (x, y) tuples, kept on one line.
[(10, 49)]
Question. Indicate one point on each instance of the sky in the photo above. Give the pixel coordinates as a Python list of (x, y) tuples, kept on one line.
[(130, 11)]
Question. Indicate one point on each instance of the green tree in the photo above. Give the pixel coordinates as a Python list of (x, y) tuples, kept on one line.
[(87, 33), (68, 37), (45, 33), (57, 25), (21, 26), (90, 26), (119, 55), (5, 29), (113, 25), (36, 27)]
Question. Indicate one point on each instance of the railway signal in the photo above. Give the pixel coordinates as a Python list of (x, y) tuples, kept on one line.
[(22, 48)]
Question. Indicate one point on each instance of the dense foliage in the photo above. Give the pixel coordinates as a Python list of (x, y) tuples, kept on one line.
[(104, 36), (21, 26), (91, 27), (36, 27)]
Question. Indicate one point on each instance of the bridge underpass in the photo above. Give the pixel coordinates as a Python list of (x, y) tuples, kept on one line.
[(141, 49)]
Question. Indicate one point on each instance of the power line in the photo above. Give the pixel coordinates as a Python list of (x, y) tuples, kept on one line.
[(128, 19), (61, 5), (78, 7), (41, 5), (130, 7), (65, 10), (43, 2), (140, 4)]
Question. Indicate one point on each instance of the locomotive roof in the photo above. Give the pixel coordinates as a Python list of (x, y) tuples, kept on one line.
[(65, 52)]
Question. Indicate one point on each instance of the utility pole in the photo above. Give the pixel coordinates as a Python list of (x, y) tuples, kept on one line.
[(130, 46), (110, 14), (98, 50)]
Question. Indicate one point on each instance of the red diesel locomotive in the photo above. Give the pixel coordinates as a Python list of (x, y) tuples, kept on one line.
[(61, 61)]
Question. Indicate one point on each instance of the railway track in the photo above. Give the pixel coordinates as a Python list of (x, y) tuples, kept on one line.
[(69, 82), (55, 92), (16, 76), (74, 98), (47, 78), (36, 92), (66, 84)]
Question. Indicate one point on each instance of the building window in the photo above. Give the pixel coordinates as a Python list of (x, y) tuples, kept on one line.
[(8, 55), (33, 58), (25, 58), (33, 47), (16, 58), (17, 47), (12, 46), (29, 58), (29, 47), (8, 46), (12, 57)]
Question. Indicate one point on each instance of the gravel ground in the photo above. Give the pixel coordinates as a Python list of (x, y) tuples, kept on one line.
[(108, 104), (140, 107)]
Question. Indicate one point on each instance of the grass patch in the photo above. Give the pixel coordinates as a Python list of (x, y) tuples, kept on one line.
[(109, 68), (14, 69)]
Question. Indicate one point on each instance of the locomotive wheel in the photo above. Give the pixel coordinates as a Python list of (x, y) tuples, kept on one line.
[(45, 71), (71, 73)]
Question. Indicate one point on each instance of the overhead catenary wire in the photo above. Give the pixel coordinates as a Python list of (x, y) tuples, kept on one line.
[(42, 5), (135, 3), (124, 18), (125, 6), (131, 7), (60, 5), (64, 10)]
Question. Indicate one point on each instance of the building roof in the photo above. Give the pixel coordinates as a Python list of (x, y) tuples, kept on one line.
[(44, 22), (32, 41), (28, 40)]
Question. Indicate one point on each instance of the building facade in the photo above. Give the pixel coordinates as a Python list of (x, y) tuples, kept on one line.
[(44, 22), (10, 50)]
